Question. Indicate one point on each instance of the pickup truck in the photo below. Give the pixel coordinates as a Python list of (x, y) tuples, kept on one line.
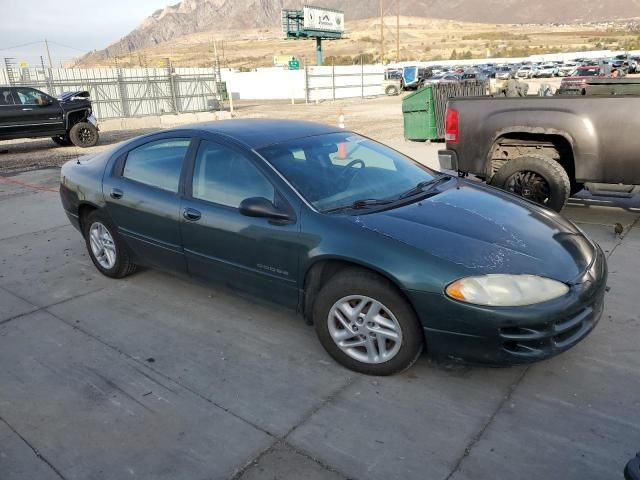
[(544, 148), (28, 113)]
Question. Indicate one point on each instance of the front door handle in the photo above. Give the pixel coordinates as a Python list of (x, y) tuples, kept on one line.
[(27, 109), (191, 214), (116, 193)]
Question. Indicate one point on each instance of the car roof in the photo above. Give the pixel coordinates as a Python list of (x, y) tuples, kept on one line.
[(258, 132)]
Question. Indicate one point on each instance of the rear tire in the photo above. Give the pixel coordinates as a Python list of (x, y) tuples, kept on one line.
[(107, 250), (84, 134), (537, 178), (62, 140), (378, 332)]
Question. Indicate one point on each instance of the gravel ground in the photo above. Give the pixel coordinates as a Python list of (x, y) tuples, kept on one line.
[(379, 118)]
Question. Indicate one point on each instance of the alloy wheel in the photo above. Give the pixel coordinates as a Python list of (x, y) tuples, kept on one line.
[(529, 185), (364, 329), (85, 135), (102, 245)]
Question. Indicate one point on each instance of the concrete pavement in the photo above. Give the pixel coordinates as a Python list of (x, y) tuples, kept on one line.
[(160, 377)]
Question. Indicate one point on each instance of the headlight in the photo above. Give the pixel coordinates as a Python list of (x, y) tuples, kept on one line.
[(499, 290)]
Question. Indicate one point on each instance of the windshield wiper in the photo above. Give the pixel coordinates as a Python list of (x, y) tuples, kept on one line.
[(359, 204), (425, 186)]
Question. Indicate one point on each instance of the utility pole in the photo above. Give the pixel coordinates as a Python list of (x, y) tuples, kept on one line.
[(397, 30), (46, 44), (382, 31)]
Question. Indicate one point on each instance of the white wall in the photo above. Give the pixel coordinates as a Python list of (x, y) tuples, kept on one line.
[(265, 84)]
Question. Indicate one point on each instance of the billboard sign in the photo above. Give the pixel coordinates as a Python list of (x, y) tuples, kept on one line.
[(323, 19)]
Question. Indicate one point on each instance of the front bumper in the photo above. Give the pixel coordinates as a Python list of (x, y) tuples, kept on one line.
[(510, 336), (448, 160), (92, 120)]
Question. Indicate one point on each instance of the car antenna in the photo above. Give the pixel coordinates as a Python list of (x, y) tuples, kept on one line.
[(77, 155)]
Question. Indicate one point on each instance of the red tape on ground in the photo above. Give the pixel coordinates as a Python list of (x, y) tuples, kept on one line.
[(26, 185)]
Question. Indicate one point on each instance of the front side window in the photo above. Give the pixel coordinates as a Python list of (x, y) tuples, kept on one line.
[(158, 163), (223, 176), (29, 96), (340, 168)]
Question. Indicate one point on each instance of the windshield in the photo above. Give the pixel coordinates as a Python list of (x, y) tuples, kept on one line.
[(338, 169)]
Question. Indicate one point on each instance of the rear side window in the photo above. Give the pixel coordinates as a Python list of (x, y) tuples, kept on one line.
[(158, 163), (6, 97)]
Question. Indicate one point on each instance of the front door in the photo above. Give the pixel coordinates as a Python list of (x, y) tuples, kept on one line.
[(143, 200), (256, 255), (39, 113)]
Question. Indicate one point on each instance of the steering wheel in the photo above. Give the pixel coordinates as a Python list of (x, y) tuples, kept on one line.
[(348, 169)]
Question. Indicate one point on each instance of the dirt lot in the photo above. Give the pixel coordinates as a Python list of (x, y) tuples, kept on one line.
[(379, 118)]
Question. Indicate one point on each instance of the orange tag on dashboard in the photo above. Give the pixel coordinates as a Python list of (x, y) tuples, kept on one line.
[(342, 151)]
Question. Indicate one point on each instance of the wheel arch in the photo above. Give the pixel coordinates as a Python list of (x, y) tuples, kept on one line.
[(84, 209), (513, 143), (320, 270), (75, 116)]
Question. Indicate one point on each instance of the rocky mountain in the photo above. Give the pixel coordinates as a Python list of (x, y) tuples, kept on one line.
[(192, 16)]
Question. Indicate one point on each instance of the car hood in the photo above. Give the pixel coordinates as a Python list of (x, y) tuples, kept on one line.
[(74, 95), (71, 101), (483, 230)]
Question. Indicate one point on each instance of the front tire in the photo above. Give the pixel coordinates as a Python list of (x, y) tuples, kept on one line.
[(537, 178), (108, 252), (84, 134), (366, 325)]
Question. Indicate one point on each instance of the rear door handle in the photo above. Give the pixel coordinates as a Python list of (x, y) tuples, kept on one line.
[(27, 109), (116, 193), (191, 214)]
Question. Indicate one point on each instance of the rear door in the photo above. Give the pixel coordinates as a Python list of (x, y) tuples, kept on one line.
[(255, 255), (143, 199), (40, 113), (10, 113)]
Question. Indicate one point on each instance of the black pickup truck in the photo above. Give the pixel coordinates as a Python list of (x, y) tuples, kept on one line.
[(545, 148), (27, 113)]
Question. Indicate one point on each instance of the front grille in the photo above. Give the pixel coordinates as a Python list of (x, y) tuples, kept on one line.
[(546, 339)]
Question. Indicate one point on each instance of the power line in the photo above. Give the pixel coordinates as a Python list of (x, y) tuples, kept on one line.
[(67, 46), (23, 45)]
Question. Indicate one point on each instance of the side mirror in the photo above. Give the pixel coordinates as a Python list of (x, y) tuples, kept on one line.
[(261, 207)]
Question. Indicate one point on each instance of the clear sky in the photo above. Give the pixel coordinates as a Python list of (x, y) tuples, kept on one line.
[(82, 25)]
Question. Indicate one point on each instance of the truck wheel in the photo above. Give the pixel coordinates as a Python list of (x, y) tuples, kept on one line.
[(536, 178), (62, 140), (391, 90), (84, 134)]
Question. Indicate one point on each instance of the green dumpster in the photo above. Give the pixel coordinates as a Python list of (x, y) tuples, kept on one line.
[(419, 113)]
